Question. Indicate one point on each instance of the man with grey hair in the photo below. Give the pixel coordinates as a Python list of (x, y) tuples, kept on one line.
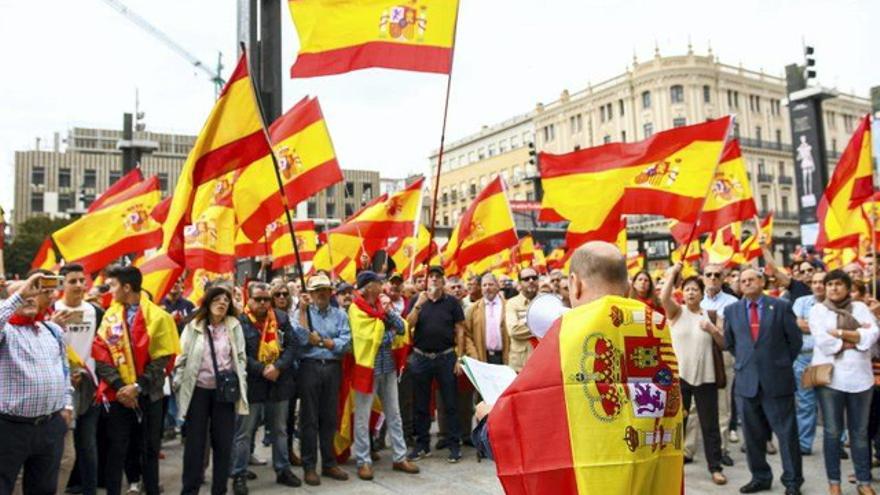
[(485, 328)]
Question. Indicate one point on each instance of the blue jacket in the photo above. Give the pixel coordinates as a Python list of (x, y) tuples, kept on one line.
[(766, 363)]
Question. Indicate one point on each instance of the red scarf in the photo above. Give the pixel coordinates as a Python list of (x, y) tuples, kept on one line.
[(26, 321), (374, 311)]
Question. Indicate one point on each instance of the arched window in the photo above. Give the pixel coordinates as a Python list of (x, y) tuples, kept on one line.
[(676, 93)]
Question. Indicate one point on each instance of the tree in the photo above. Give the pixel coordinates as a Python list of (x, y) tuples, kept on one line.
[(29, 235)]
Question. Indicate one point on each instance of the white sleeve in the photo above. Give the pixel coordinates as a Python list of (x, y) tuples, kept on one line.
[(868, 336)]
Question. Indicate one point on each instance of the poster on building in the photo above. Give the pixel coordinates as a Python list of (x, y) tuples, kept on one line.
[(811, 170)]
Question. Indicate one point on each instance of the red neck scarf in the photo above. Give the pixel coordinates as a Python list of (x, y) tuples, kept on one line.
[(374, 311), (26, 321)]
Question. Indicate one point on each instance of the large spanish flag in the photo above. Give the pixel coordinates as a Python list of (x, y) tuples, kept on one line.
[(159, 273), (306, 160), (486, 228), (667, 174), (394, 216), (605, 375), (306, 241), (231, 139), (111, 195), (209, 242), (103, 235), (338, 36), (841, 221)]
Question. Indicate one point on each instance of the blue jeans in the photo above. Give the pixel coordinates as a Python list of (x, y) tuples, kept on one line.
[(805, 401), (424, 371), (246, 426), (85, 439), (858, 409), (384, 386)]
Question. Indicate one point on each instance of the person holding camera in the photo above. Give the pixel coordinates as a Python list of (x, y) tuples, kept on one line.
[(210, 380)]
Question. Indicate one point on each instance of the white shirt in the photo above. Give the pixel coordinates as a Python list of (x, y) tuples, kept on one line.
[(718, 302), (852, 368), (79, 336)]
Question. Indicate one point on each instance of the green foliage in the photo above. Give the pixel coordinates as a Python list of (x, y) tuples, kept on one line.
[(19, 253)]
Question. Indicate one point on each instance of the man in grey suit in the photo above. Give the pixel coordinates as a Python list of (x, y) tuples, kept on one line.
[(763, 336)]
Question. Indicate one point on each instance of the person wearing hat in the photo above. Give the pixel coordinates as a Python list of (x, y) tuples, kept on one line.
[(344, 295), (438, 339), (325, 336), (375, 326)]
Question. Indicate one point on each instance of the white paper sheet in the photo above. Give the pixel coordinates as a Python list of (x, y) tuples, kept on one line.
[(490, 380)]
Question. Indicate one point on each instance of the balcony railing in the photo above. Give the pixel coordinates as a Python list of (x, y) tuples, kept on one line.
[(762, 144), (765, 177), (786, 180)]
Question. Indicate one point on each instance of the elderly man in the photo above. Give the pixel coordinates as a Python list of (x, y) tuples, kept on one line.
[(762, 333), (36, 401), (485, 329), (325, 336), (805, 398), (515, 316), (344, 295)]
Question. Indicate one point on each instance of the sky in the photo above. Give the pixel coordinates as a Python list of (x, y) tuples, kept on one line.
[(79, 63)]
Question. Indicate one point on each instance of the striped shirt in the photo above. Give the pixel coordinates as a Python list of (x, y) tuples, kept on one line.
[(34, 374), (384, 359)]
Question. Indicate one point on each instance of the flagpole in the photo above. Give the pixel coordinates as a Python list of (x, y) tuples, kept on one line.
[(284, 202), (874, 250), (442, 140)]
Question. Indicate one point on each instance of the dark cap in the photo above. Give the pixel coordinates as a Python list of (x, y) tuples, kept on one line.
[(436, 269), (395, 277), (344, 287), (367, 276)]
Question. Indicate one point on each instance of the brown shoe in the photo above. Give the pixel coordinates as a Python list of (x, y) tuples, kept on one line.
[(336, 473), (719, 479), (311, 477), (365, 472), (834, 490), (866, 490), (406, 467)]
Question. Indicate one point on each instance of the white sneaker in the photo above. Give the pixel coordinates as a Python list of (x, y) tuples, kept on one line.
[(134, 489), (732, 436), (256, 461)]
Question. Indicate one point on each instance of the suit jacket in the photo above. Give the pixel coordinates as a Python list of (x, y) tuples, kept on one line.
[(767, 362), (475, 331)]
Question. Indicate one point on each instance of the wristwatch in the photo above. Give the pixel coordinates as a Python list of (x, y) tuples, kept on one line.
[(138, 387), (321, 343)]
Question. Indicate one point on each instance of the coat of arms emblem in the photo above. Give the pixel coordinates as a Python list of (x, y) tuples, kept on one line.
[(406, 22), (660, 174)]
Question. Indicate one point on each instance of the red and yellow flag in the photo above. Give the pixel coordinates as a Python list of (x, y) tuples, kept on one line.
[(841, 221), (525, 251), (306, 241), (45, 257), (556, 258), (338, 36), (392, 216), (120, 228), (722, 247), (110, 195), (159, 272), (209, 242), (306, 160), (667, 174), (486, 228), (751, 247), (231, 139), (409, 251), (198, 279), (635, 263), (584, 386)]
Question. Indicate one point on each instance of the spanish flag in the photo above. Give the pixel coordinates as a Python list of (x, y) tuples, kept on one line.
[(306, 240), (486, 228), (306, 161), (338, 36), (123, 227), (751, 247), (46, 258), (392, 216), (610, 230), (232, 138), (605, 375), (152, 335), (667, 174), (841, 221), (159, 272), (635, 263), (556, 258), (110, 196), (409, 251), (722, 247), (209, 242), (540, 262), (525, 251), (198, 279)]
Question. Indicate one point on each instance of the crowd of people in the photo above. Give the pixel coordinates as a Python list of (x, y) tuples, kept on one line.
[(94, 378)]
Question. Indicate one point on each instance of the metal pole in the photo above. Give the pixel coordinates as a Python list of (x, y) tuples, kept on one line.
[(270, 58)]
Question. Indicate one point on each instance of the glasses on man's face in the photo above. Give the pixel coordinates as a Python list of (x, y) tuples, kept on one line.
[(262, 299), (281, 294), (712, 275), (530, 278)]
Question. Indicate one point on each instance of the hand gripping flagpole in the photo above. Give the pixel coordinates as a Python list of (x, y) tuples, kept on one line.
[(442, 142), (275, 167)]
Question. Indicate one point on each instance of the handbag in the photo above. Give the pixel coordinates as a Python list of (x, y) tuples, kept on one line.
[(817, 376), (718, 363), (228, 389)]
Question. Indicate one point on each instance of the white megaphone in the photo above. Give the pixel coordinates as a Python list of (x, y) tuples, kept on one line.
[(542, 312)]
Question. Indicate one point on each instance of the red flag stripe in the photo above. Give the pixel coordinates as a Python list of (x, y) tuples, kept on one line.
[(374, 54), (126, 181)]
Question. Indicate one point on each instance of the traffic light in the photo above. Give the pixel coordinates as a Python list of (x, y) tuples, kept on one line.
[(809, 63), (140, 125), (533, 154)]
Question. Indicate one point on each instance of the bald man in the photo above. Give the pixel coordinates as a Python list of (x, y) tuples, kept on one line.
[(763, 335)]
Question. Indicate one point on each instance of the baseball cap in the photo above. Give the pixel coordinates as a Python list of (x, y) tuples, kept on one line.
[(436, 269), (344, 287), (367, 276)]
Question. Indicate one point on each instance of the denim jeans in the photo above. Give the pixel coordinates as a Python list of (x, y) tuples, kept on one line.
[(385, 386), (246, 426), (858, 409), (424, 371), (85, 438), (805, 402)]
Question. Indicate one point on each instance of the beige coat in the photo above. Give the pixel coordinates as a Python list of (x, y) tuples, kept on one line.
[(520, 335), (475, 331), (186, 368)]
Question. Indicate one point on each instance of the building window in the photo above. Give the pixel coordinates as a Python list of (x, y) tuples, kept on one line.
[(646, 99), (349, 210), (676, 93), (90, 178), (65, 201), (367, 191), (514, 142), (64, 177), (491, 150), (38, 176), (349, 189), (761, 169), (445, 197), (312, 209), (620, 106), (163, 181), (473, 189), (764, 203), (732, 98), (610, 111), (781, 168), (679, 122), (445, 219), (115, 175), (779, 137), (576, 123), (758, 134), (785, 207), (606, 139), (549, 132), (622, 136), (707, 94), (87, 200), (736, 130), (757, 103), (331, 191), (833, 146), (331, 210), (602, 114), (502, 146), (648, 129), (37, 202)]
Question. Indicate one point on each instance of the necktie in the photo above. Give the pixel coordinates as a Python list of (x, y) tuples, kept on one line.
[(753, 320)]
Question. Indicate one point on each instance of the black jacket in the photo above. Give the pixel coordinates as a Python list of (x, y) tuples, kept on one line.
[(258, 388)]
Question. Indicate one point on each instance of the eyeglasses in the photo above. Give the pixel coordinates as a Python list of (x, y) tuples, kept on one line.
[(531, 278), (712, 275), (808, 270), (281, 294), (262, 299)]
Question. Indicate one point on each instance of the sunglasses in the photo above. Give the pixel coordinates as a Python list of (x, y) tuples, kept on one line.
[(529, 279), (262, 299), (712, 275), (281, 294)]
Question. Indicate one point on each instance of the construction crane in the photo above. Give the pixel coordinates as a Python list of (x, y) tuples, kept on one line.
[(193, 60)]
